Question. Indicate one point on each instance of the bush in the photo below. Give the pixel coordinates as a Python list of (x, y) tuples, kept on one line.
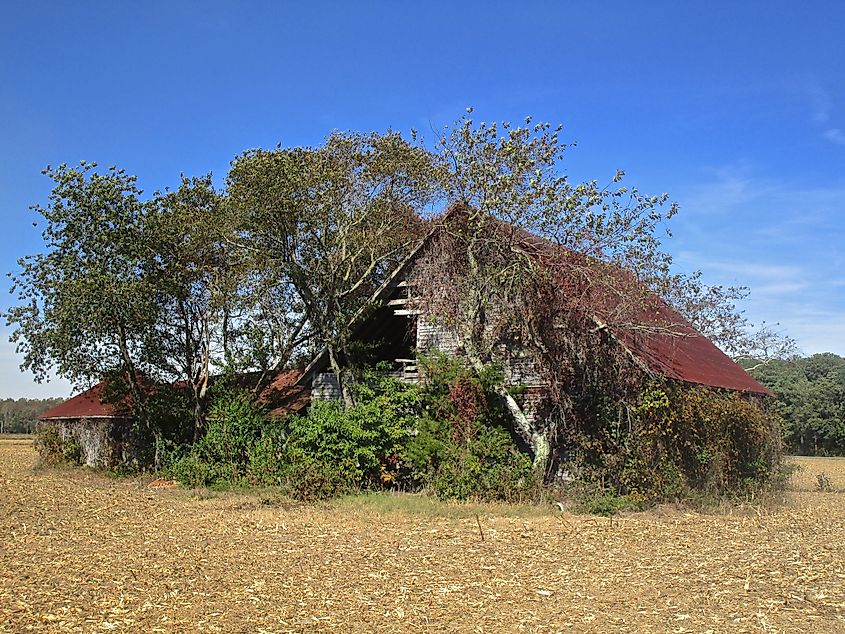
[(606, 504), (192, 471), (446, 436), (359, 447), (310, 480), (235, 425), (686, 441), (461, 448), (268, 459), (53, 449), (234, 422)]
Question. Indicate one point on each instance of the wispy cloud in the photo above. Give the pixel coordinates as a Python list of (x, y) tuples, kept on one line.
[(820, 102), (795, 297), (821, 108), (835, 135), (817, 330), (729, 189), (767, 281), (781, 240)]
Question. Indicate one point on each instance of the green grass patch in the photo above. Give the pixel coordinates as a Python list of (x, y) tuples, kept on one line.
[(419, 504)]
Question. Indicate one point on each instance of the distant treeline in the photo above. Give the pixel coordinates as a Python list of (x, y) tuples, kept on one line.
[(21, 416), (812, 401)]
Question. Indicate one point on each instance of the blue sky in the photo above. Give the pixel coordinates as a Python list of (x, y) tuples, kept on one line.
[(737, 110)]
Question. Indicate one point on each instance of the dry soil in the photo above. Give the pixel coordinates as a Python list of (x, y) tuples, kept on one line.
[(81, 552)]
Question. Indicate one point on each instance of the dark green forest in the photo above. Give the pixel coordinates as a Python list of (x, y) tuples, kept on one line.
[(21, 416), (811, 398)]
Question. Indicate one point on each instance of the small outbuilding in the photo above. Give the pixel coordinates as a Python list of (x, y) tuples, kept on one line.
[(101, 430)]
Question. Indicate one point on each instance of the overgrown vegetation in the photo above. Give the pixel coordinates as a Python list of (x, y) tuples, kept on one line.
[(54, 449), (163, 289), (692, 440), (446, 437), (452, 438)]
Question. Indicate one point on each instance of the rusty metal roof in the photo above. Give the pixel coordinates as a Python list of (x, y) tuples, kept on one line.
[(683, 355), (686, 355), (284, 396), (87, 404), (657, 335)]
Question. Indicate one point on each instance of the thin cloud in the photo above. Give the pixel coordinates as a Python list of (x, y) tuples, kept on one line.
[(835, 135), (782, 242), (821, 103), (722, 195)]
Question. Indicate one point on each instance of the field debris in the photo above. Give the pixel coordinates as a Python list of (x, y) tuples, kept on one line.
[(160, 483), (86, 553)]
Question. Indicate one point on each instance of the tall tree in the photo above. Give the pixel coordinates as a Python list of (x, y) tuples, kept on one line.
[(218, 306), (195, 280), (86, 306), (331, 221), (490, 276)]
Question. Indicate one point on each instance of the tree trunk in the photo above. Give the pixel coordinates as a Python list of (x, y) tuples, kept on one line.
[(348, 402), (540, 446)]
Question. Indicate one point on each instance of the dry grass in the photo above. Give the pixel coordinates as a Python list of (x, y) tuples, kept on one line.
[(806, 476), (84, 553)]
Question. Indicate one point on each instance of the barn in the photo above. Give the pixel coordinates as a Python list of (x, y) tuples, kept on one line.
[(101, 430), (397, 328), (655, 339)]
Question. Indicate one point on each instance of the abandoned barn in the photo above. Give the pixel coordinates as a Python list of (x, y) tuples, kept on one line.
[(397, 329), (103, 432)]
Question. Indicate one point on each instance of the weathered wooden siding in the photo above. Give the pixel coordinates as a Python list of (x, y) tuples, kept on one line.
[(104, 443), (434, 336), (520, 367), (325, 387), (531, 402)]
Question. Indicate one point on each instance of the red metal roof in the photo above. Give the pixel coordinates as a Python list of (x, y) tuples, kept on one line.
[(87, 404), (284, 396), (679, 352), (688, 356)]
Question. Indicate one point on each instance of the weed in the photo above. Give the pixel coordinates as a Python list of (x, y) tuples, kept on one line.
[(823, 483)]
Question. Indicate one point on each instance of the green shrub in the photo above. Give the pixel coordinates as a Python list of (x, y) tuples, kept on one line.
[(192, 471), (361, 444), (268, 459), (605, 504), (461, 447), (489, 467), (685, 442), (53, 449), (310, 480), (234, 424)]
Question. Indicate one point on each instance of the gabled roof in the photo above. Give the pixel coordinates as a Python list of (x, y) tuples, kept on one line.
[(87, 404), (282, 395), (658, 336), (682, 354), (686, 355)]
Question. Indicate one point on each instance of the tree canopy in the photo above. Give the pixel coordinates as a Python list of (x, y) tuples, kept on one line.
[(811, 398), (181, 284)]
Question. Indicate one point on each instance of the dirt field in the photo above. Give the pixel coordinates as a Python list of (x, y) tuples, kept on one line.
[(84, 553)]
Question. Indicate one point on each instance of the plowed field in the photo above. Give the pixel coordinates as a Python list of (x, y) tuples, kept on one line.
[(80, 552)]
